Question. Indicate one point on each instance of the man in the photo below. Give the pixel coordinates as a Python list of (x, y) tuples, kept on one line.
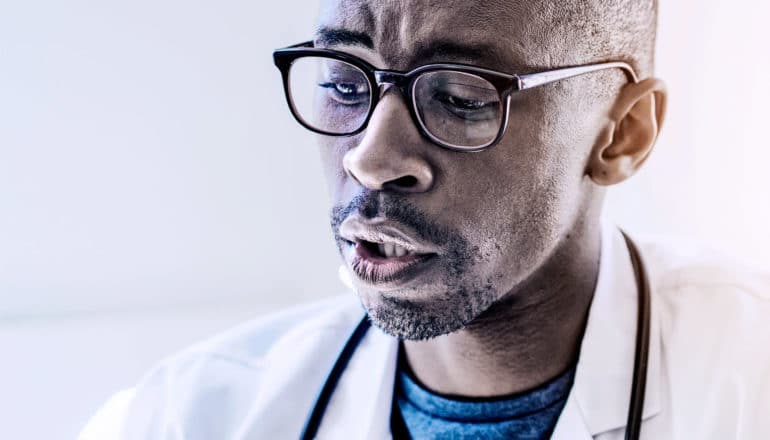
[(467, 164)]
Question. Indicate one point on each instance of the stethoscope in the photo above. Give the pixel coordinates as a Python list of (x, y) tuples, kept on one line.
[(397, 425)]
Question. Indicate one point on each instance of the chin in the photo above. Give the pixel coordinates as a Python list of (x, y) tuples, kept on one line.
[(421, 314)]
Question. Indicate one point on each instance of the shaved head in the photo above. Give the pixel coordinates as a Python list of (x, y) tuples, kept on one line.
[(600, 30), (574, 31)]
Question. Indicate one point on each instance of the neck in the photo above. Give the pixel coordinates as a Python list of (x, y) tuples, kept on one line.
[(530, 336)]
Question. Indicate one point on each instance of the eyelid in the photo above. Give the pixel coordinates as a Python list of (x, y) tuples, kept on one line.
[(488, 89), (368, 55), (483, 99), (485, 106)]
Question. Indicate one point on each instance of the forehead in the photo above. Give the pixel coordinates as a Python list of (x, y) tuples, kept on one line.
[(502, 34)]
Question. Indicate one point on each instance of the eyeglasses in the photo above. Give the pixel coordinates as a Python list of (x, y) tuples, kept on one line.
[(457, 106)]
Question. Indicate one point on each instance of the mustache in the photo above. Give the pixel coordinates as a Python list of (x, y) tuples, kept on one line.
[(371, 204)]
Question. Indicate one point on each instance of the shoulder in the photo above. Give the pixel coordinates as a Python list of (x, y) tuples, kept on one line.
[(250, 343), (678, 265), (687, 274), (222, 374), (714, 315)]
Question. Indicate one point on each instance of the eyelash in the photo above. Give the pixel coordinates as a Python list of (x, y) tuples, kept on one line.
[(335, 89)]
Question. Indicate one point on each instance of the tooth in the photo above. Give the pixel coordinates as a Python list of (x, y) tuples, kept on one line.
[(381, 249), (389, 251), (400, 252)]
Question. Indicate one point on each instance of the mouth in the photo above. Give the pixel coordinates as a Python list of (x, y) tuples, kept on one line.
[(385, 263), (383, 253)]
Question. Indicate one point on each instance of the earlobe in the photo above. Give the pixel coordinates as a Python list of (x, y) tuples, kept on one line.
[(627, 139)]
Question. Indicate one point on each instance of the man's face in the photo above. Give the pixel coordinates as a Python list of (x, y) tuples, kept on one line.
[(477, 225)]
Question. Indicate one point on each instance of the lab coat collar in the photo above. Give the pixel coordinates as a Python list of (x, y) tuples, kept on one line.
[(598, 402), (361, 404), (602, 386)]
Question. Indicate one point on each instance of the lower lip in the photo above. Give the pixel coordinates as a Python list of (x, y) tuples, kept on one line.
[(375, 269)]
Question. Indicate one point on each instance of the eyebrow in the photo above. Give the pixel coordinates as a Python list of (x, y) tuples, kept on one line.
[(436, 50), (451, 50), (332, 37)]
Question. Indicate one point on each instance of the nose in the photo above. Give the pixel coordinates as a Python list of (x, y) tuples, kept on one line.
[(392, 155)]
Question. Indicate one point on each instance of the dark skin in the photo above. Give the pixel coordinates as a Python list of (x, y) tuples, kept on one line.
[(512, 316)]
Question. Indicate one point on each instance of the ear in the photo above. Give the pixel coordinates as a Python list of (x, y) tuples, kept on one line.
[(627, 139)]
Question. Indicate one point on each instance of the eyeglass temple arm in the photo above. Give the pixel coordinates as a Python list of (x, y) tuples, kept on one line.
[(303, 44), (538, 79)]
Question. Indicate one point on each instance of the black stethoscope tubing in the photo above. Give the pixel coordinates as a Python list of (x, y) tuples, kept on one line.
[(398, 428)]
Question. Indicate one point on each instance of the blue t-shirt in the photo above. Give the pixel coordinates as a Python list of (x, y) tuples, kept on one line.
[(528, 415)]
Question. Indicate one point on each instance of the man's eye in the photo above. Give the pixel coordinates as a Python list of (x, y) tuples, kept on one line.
[(465, 107), (462, 103), (346, 93)]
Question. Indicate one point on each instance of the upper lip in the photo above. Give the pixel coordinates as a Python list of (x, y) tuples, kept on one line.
[(380, 230)]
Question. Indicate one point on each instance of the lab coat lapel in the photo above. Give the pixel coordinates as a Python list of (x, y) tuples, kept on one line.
[(571, 425), (601, 391), (361, 404), (294, 371)]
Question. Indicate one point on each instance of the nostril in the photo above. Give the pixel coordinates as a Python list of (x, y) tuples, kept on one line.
[(405, 182)]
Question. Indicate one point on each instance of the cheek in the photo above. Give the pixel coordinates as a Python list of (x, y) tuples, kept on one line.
[(515, 230), (516, 202), (506, 214), (331, 151)]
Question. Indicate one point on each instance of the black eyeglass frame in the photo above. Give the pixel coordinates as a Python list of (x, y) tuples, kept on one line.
[(505, 84)]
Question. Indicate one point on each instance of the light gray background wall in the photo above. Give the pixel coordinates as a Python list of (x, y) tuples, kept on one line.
[(154, 189)]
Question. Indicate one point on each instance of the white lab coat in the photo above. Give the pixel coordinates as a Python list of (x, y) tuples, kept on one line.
[(708, 378)]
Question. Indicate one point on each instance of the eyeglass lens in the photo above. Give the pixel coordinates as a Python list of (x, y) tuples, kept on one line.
[(459, 109), (455, 108), (329, 95)]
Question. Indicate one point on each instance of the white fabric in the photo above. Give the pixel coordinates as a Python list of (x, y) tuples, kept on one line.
[(708, 378)]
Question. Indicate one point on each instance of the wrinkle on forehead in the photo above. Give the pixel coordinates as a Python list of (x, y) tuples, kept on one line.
[(538, 33), (400, 27)]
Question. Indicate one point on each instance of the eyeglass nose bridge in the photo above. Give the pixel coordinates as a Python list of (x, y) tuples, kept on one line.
[(389, 77)]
